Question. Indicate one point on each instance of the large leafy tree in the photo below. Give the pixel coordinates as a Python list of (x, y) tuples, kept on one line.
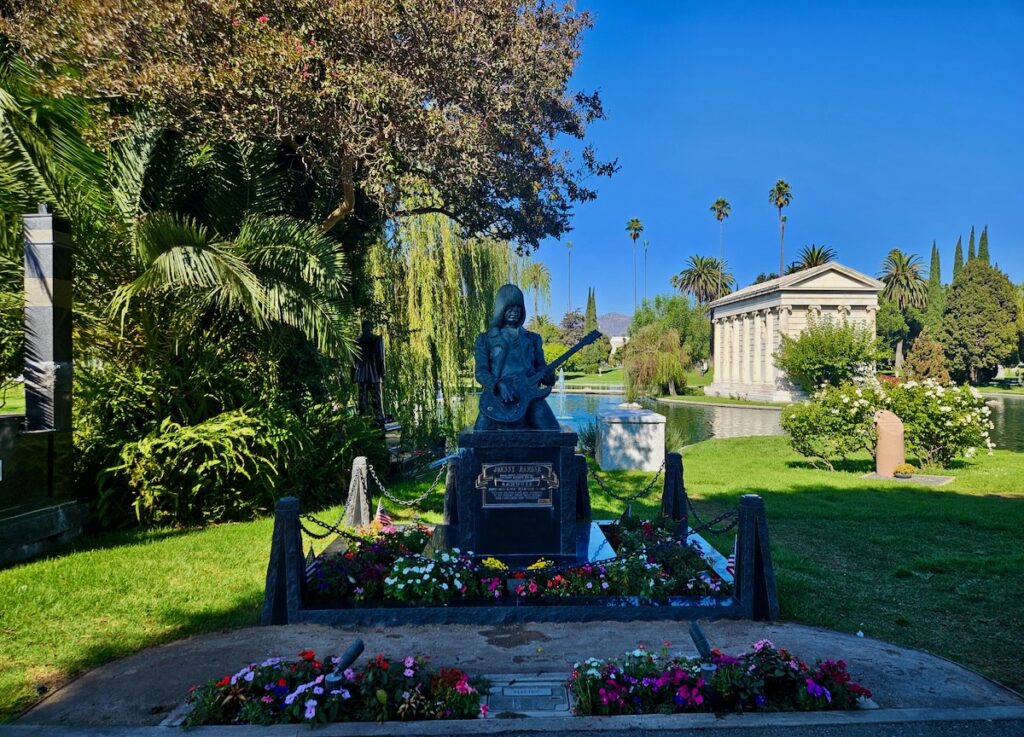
[(678, 313), (980, 324), (414, 107), (780, 196), (594, 355), (535, 277), (653, 361), (704, 277)]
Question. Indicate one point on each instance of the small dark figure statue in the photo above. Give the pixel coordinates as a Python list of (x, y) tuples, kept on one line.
[(369, 373), (507, 352)]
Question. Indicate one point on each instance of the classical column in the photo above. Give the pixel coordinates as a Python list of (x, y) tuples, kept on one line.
[(718, 349), (734, 349), (769, 334), (758, 347), (871, 312)]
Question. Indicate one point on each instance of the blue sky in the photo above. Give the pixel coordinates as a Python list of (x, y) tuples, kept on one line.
[(895, 124)]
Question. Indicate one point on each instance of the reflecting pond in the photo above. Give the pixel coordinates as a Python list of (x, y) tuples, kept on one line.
[(692, 423)]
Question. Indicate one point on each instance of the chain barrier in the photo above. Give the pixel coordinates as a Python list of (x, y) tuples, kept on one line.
[(411, 502), (732, 516), (642, 493)]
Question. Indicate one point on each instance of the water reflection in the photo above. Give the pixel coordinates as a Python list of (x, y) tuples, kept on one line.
[(691, 423)]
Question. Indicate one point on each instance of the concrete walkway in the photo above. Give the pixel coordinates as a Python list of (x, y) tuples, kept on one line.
[(917, 693)]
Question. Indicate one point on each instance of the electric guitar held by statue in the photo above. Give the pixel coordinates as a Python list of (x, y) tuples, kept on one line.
[(526, 388)]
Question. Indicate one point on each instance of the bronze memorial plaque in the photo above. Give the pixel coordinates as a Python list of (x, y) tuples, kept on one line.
[(517, 484)]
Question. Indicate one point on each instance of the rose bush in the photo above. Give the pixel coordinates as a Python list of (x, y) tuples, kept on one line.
[(940, 421)]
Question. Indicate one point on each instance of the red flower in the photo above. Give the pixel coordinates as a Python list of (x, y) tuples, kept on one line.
[(223, 681), (282, 682), (262, 19), (307, 655)]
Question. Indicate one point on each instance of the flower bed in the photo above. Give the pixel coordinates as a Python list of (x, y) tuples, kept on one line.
[(394, 566), (308, 690), (765, 679)]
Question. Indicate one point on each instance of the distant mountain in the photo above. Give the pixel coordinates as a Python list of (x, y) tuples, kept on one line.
[(613, 323)]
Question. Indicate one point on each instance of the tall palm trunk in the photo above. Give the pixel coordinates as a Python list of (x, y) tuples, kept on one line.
[(634, 276), (782, 237), (568, 308)]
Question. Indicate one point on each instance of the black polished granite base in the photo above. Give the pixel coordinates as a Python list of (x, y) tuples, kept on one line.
[(517, 494), (592, 545)]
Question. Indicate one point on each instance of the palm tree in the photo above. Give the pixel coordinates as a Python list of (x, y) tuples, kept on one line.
[(568, 308), (811, 256), (905, 285), (780, 196), (647, 244), (634, 227), (537, 279), (705, 277), (722, 210)]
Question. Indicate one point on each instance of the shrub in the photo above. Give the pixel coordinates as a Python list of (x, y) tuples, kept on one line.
[(835, 423), (940, 422), (827, 352), (926, 359)]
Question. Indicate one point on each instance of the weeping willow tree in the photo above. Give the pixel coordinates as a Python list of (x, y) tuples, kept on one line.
[(434, 291)]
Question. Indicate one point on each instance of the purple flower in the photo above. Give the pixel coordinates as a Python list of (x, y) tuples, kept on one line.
[(408, 673), (409, 662), (350, 675), (818, 691), (310, 708)]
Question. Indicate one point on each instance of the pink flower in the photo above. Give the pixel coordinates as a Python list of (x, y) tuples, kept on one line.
[(236, 22), (483, 710), (409, 662), (408, 673), (262, 19)]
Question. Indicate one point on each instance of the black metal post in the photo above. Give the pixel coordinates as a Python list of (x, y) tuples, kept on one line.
[(755, 574)]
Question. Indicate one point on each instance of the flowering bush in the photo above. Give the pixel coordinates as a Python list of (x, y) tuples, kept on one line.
[(940, 421), (307, 690), (835, 422), (766, 678), (431, 581)]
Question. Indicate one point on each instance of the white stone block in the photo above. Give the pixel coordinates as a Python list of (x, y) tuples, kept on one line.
[(630, 440)]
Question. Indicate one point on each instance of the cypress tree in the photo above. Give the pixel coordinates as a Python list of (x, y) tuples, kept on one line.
[(936, 293), (958, 257), (590, 317), (983, 246), (970, 247)]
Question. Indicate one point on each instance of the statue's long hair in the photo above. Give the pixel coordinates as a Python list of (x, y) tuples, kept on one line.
[(507, 296)]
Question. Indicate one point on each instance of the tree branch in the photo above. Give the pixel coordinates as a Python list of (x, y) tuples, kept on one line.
[(348, 190)]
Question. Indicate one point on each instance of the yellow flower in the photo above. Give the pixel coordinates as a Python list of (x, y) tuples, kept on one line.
[(539, 564), (493, 564)]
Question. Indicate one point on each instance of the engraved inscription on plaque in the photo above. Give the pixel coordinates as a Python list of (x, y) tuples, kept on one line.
[(517, 484)]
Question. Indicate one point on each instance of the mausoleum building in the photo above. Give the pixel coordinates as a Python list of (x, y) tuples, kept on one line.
[(749, 324)]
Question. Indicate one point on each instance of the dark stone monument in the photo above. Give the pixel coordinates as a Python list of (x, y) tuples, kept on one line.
[(37, 508), (517, 490)]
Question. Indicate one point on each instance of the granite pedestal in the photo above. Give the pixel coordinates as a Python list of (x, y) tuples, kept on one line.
[(630, 440), (517, 495)]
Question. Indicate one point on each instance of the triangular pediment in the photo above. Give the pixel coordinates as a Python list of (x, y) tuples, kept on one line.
[(833, 277)]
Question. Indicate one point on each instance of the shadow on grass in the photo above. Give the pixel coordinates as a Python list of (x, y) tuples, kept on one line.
[(867, 465)]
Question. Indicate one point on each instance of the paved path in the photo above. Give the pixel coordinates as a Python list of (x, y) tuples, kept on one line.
[(918, 693)]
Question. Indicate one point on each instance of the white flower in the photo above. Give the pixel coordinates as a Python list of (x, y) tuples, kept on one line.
[(444, 586)]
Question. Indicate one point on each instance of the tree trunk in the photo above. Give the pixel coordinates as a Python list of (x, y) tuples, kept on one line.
[(672, 387), (897, 361), (782, 238)]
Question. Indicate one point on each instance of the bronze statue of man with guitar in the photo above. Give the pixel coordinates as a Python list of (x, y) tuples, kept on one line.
[(510, 367)]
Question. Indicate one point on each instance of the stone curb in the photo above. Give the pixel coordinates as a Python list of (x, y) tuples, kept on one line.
[(607, 726), (769, 407)]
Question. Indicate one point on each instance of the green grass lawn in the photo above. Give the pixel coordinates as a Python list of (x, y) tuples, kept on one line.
[(12, 402), (937, 569), (612, 377), (1001, 389)]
